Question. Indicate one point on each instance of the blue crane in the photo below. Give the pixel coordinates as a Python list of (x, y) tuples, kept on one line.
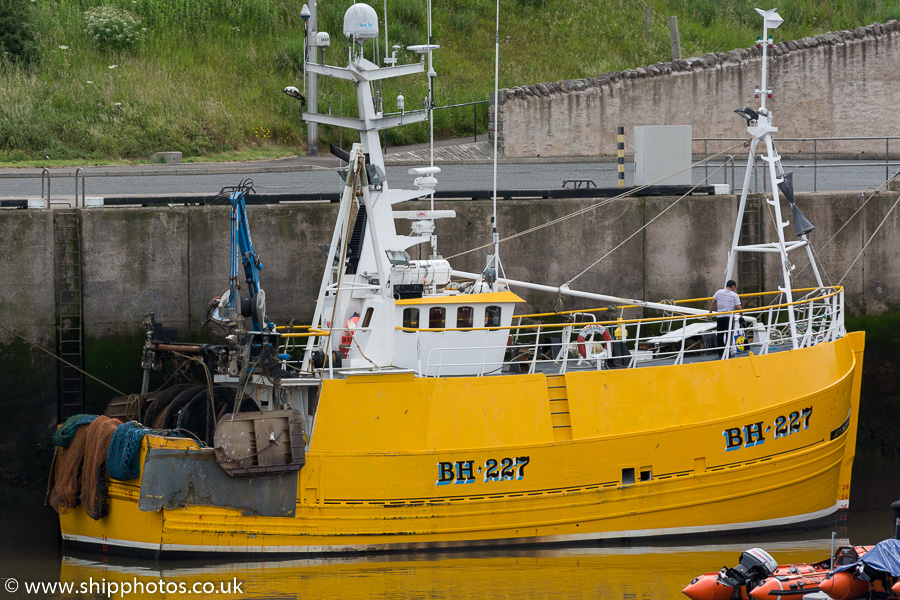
[(252, 300)]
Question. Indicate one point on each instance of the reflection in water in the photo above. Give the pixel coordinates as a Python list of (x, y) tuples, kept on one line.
[(649, 571), (656, 572)]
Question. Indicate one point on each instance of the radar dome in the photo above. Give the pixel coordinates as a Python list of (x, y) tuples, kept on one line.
[(360, 23)]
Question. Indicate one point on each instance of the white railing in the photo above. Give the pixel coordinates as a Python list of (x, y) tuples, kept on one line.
[(555, 343), (577, 340)]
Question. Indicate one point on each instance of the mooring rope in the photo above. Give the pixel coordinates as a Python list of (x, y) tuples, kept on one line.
[(60, 359)]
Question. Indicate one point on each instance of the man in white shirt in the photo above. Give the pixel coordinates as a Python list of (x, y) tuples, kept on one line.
[(724, 300)]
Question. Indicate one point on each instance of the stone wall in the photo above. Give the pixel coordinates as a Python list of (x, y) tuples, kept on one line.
[(840, 84)]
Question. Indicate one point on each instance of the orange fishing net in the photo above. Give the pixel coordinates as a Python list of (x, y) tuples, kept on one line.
[(94, 494), (83, 466), (64, 495)]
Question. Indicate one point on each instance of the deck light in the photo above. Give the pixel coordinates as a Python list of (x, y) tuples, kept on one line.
[(293, 92), (748, 113)]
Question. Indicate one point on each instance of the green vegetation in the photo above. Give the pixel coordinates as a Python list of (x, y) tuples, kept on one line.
[(16, 35), (204, 77)]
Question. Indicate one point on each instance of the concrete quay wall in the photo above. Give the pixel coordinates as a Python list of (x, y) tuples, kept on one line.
[(838, 84), (173, 261)]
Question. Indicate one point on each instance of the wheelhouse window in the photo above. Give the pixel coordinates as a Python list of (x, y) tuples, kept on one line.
[(411, 318), (492, 316), (368, 318), (437, 317), (465, 317)]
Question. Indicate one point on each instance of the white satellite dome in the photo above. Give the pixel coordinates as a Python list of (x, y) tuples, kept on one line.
[(360, 23)]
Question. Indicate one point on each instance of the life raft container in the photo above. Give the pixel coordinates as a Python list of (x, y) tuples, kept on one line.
[(588, 332)]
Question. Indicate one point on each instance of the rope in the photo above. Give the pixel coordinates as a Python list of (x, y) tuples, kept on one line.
[(62, 360), (640, 229), (599, 204)]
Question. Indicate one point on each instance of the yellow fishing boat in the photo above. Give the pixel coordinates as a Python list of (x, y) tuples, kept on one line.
[(422, 412)]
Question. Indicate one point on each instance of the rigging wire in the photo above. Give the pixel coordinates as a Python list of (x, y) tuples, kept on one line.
[(869, 241), (862, 206), (851, 217), (598, 204), (818, 262), (647, 224)]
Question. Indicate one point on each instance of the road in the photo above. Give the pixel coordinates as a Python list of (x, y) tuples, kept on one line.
[(302, 175)]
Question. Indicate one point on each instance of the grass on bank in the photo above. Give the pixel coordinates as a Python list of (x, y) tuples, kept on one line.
[(206, 75)]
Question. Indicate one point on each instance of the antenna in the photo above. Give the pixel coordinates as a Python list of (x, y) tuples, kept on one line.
[(494, 234), (387, 48), (771, 20), (431, 76)]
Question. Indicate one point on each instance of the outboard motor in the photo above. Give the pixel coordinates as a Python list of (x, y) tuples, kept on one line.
[(755, 565)]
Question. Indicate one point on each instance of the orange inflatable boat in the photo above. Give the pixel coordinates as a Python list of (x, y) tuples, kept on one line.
[(758, 576)]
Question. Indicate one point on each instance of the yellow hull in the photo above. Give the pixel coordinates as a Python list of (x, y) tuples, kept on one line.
[(398, 462)]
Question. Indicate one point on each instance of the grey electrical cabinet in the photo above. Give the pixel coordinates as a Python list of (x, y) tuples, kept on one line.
[(660, 150)]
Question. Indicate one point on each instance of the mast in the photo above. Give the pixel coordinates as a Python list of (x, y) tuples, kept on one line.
[(378, 244), (760, 127)]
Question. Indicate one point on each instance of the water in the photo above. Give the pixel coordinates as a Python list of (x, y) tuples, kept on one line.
[(642, 571)]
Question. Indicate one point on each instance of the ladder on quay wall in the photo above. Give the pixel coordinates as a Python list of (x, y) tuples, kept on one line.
[(70, 315), (750, 267)]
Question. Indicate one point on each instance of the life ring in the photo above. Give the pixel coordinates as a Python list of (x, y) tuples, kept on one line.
[(589, 331), (347, 336)]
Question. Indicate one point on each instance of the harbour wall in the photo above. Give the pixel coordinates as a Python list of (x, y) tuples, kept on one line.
[(838, 84), (173, 260)]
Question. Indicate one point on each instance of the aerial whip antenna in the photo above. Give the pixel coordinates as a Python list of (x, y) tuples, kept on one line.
[(493, 265)]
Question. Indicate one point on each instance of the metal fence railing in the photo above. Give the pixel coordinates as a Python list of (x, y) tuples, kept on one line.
[(877, 153)]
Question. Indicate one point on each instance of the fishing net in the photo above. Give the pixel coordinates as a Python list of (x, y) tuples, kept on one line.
[(63, 436), (124, 450), (94, 493), (64, 495)]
